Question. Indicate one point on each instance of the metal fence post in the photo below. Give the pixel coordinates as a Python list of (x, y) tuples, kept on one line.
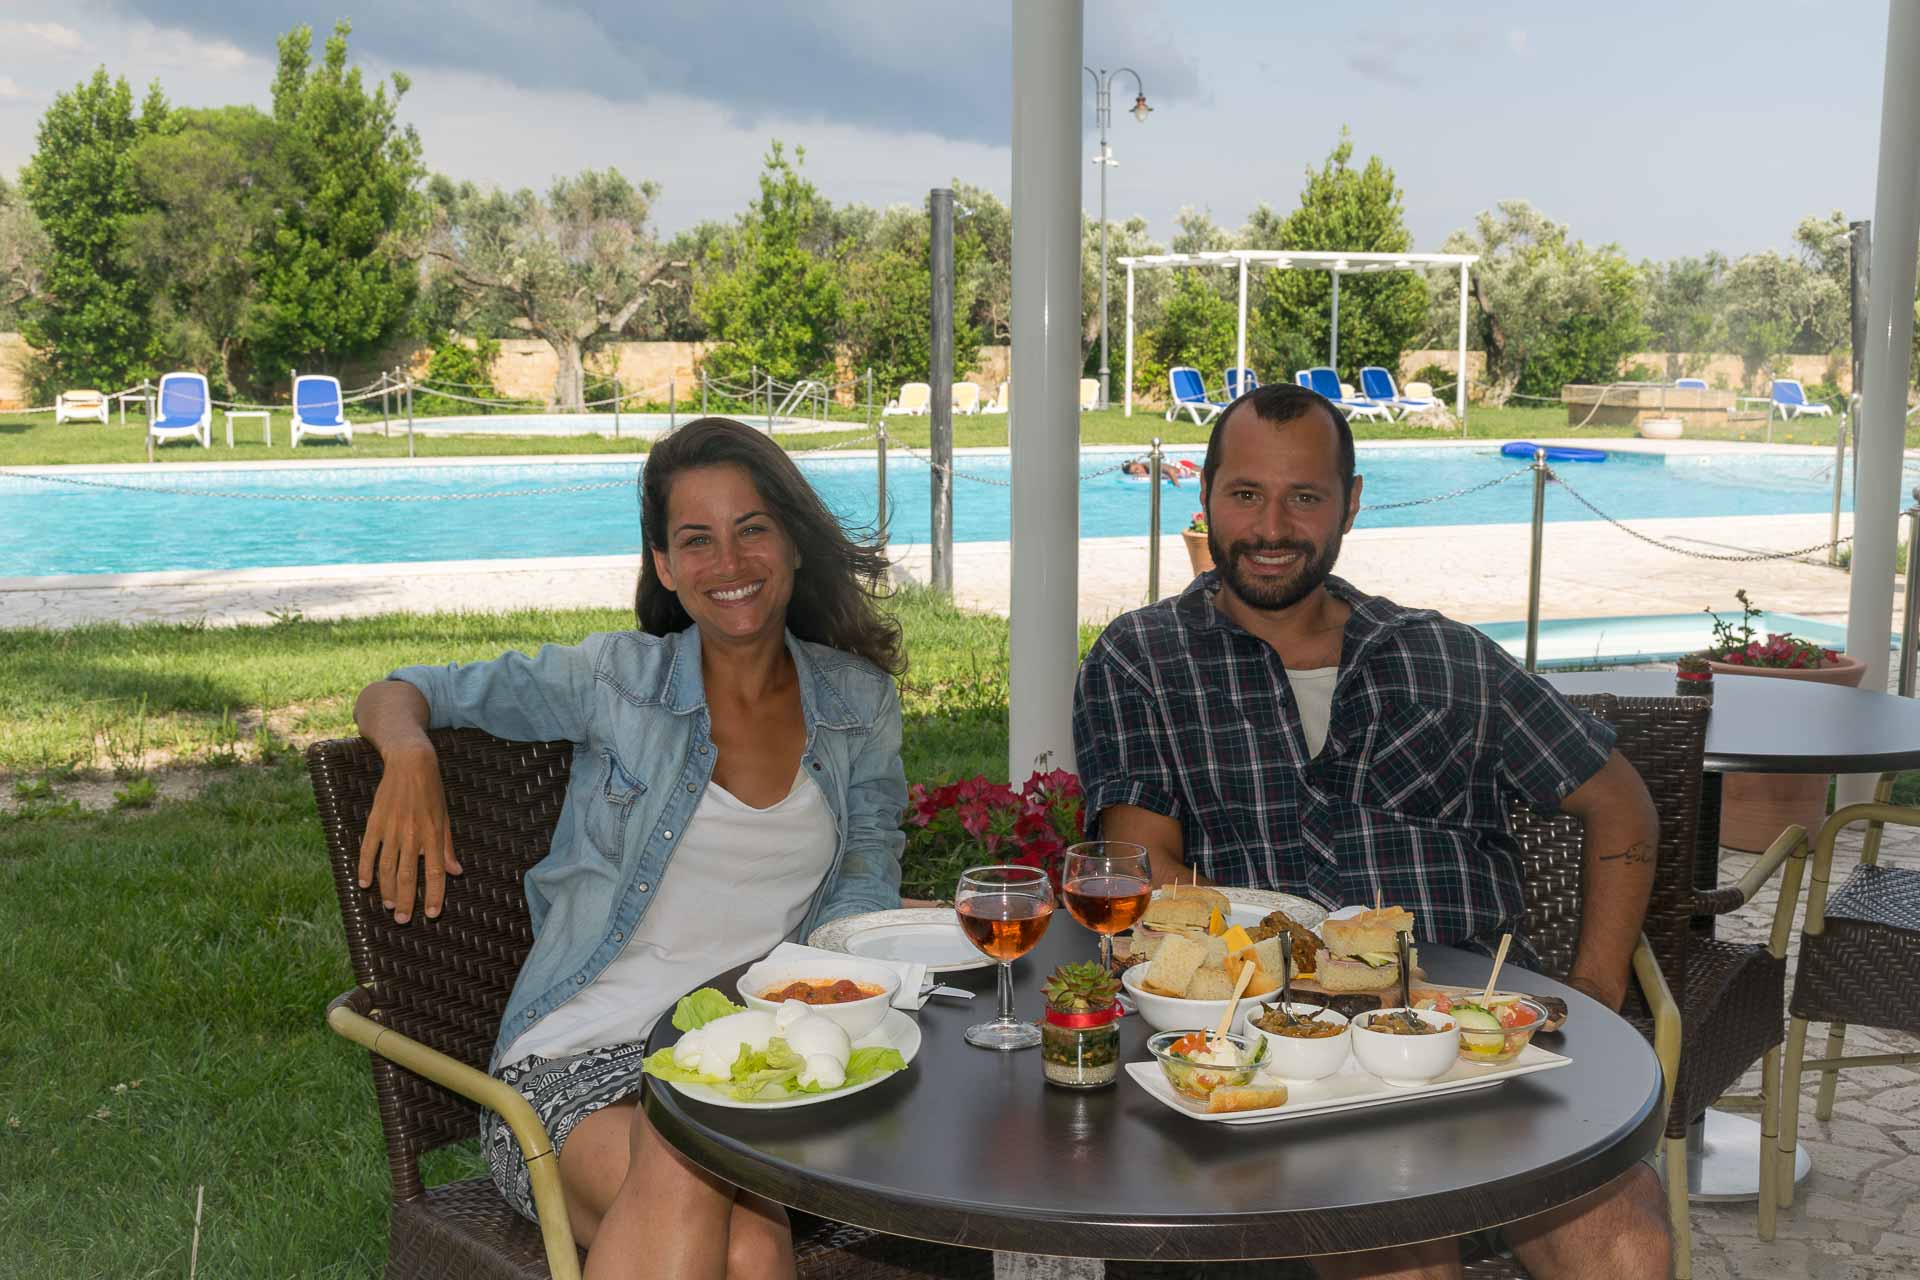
[(616, 406), (409, 395), (880, 470), (673, 404), (703, 393), (1910, 620), (1839, 478), (870, 398), (386, 418), (1533, 563), (1153, 525)]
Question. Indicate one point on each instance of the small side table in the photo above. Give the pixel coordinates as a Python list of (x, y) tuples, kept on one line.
[(266, 424)]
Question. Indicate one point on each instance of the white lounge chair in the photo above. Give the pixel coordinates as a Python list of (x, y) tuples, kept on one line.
[(185, 411), (79, 406), (912, 401), (1089, 394), (966, 397), (317, 409), (1001, 400), (1190, 396), (1790, 398)]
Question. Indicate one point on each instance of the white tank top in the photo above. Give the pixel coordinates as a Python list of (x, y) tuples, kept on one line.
[(1313, 694), (740, 881)]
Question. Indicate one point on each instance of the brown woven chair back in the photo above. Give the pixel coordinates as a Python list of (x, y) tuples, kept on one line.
[(1665, 740), (443, 982)]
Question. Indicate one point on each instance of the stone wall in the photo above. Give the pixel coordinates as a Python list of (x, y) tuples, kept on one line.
[(1725, 372)]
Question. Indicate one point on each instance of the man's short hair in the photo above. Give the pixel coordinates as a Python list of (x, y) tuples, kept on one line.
[(1283, 402)]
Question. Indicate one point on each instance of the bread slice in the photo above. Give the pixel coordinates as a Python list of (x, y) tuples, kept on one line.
[(1266, 954), (1177, 914), (1368, 931), (1341, 973), (1203, 893), (1173, 966), (1247, 1097), (1209, 983)]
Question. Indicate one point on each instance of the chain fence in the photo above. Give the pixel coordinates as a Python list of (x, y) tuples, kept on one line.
[(1726, 557)]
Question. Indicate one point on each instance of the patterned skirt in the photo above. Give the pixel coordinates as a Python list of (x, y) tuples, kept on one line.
[(563, 1091)]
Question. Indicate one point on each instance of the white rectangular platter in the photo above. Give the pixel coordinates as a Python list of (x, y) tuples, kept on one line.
[(1348, 1089)]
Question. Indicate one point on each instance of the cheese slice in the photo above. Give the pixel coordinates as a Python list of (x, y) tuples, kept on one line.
[(1237, 940), (1215, 925)]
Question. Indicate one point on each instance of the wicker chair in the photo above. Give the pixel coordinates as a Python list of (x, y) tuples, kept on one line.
[(428, 1001), (1859, 963), (1732, 996)]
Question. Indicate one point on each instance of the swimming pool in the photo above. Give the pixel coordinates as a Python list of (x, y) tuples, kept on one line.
[(589, 508)]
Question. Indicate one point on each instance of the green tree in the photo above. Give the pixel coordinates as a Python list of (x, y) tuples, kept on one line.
[(23, 255), (886, 302), (212, 185), (778, 308), (572, 269), (338, 279), (1685, 298), (1197, 327), (1341, 208), (88, 318)]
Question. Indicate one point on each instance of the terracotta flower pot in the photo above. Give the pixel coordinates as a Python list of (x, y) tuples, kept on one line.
[(1756, 807), (1198, 551)]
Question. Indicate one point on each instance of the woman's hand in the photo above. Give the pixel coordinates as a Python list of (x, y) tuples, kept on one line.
[(408, 826)]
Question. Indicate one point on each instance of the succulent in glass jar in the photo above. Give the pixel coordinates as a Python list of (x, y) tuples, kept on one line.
[(1080, 1034)]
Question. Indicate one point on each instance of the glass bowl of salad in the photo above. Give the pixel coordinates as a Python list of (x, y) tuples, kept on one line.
[(1496, 1033), (1198, 1062)]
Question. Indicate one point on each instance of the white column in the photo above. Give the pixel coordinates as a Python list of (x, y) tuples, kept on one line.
[(1889, 354), (1240, 351), (1044, 605), (1333, 338), (1460, 377), (1129, 391)]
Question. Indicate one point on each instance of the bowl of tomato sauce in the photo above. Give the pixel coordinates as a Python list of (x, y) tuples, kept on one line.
[(853, 992)]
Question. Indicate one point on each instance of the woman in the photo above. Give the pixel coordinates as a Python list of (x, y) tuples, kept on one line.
[(736, 780)]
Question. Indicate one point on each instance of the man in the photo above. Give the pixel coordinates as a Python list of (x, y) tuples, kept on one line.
[(1274, 726)]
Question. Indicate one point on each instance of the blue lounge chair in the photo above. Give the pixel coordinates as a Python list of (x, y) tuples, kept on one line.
[(1303, 378), (1790, 398), (185, 411), (1377, 385), (1327, 383), (1239, 382), (1190, 394), (1691, 384), (317, 410)]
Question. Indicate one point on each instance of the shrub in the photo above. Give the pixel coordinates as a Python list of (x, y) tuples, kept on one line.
[(466, 370)]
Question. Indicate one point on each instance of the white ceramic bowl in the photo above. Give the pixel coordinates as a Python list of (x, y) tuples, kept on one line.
[(1171, 1013), (1406, 1061), (857, 1016), (1298, 1060)]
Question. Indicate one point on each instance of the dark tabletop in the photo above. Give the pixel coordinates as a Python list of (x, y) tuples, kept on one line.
[(1762, 725), (972, 1147)]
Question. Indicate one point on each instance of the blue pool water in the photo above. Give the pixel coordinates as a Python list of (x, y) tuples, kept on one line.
[(54, 528)]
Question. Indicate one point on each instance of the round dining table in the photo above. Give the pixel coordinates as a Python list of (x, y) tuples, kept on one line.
[(972, 1147)]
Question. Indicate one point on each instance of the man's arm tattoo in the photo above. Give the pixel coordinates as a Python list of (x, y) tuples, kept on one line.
[(1633, 855)]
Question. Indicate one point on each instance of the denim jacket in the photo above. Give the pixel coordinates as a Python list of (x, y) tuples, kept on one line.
[(635, 708)]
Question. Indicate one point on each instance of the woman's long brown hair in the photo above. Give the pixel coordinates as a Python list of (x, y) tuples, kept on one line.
[(841, 577)]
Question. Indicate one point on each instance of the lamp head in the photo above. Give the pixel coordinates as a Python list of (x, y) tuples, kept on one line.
[(1140, 108)]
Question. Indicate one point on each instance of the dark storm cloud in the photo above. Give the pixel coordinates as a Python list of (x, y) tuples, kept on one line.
[(944, 69)]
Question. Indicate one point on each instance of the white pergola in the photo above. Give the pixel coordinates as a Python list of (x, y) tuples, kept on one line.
[(1338, 264)]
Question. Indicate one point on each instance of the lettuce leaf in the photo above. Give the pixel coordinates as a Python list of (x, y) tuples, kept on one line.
[(661, 1066), (700, 1008)]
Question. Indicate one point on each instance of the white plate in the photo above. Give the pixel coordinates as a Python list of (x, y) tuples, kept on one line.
[(1348, 1089), (916, 935), (896, 1030)]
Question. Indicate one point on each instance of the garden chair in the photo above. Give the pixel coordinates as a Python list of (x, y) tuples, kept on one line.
[(317, 408), (1376, 384), (1729, 997), (1790, 398), (1190, 396), (185, 410), (1240, 381), (913, 400), (1859, 957), (966, 397), (1089, 394), (1327, 383), (78, 406), (1001, 400), (1690, 384), (427, 1002)]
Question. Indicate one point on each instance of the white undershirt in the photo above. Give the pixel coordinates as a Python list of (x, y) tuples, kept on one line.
[(739, 882), (1313, 694)]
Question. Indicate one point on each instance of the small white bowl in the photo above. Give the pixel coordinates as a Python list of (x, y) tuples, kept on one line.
[(1298, 1060), (1406, 1062), (1171, 1013), (858, 1017)]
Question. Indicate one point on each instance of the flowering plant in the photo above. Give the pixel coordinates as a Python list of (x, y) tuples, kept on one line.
[(1198, 524), (1737, 645), (975, 822)]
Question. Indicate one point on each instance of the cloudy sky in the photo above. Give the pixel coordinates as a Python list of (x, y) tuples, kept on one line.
[(1669, 128)]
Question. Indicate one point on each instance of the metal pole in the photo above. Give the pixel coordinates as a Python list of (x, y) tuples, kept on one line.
[(870, 399), (1043, 606), (409, 415), (1533, 563), (673, 404), (616, 406), (880, 471), (1127, 391), (1910, 621), (769, 402), (386, 418), (1333, 337), (1839, 479), (1102, 108), (703, 393), (1153, 525), (1240, 347), (1860, 257), (940, 379), (1460, 375)]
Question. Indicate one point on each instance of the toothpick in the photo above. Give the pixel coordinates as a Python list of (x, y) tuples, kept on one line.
[(1499, 959), (1239, 989), (199, 1202), (1379, 900)]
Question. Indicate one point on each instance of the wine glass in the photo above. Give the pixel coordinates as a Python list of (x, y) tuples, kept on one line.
[(1003, 911), (1106, 886)]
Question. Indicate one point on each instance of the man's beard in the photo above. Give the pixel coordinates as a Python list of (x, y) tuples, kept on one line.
[(1316, 563)]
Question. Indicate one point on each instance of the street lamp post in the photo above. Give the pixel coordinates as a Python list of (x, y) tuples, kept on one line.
[(1103, 115)]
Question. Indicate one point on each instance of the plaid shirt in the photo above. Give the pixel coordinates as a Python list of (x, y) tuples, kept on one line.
[(1434, 728)]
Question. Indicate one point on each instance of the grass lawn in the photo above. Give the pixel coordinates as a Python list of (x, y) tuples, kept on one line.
[(168, 966)]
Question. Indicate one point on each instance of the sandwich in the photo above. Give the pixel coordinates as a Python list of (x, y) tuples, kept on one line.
[(1362, 953), (1185, 908)]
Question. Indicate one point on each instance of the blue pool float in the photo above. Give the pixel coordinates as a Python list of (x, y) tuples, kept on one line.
[(1555, 452)]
